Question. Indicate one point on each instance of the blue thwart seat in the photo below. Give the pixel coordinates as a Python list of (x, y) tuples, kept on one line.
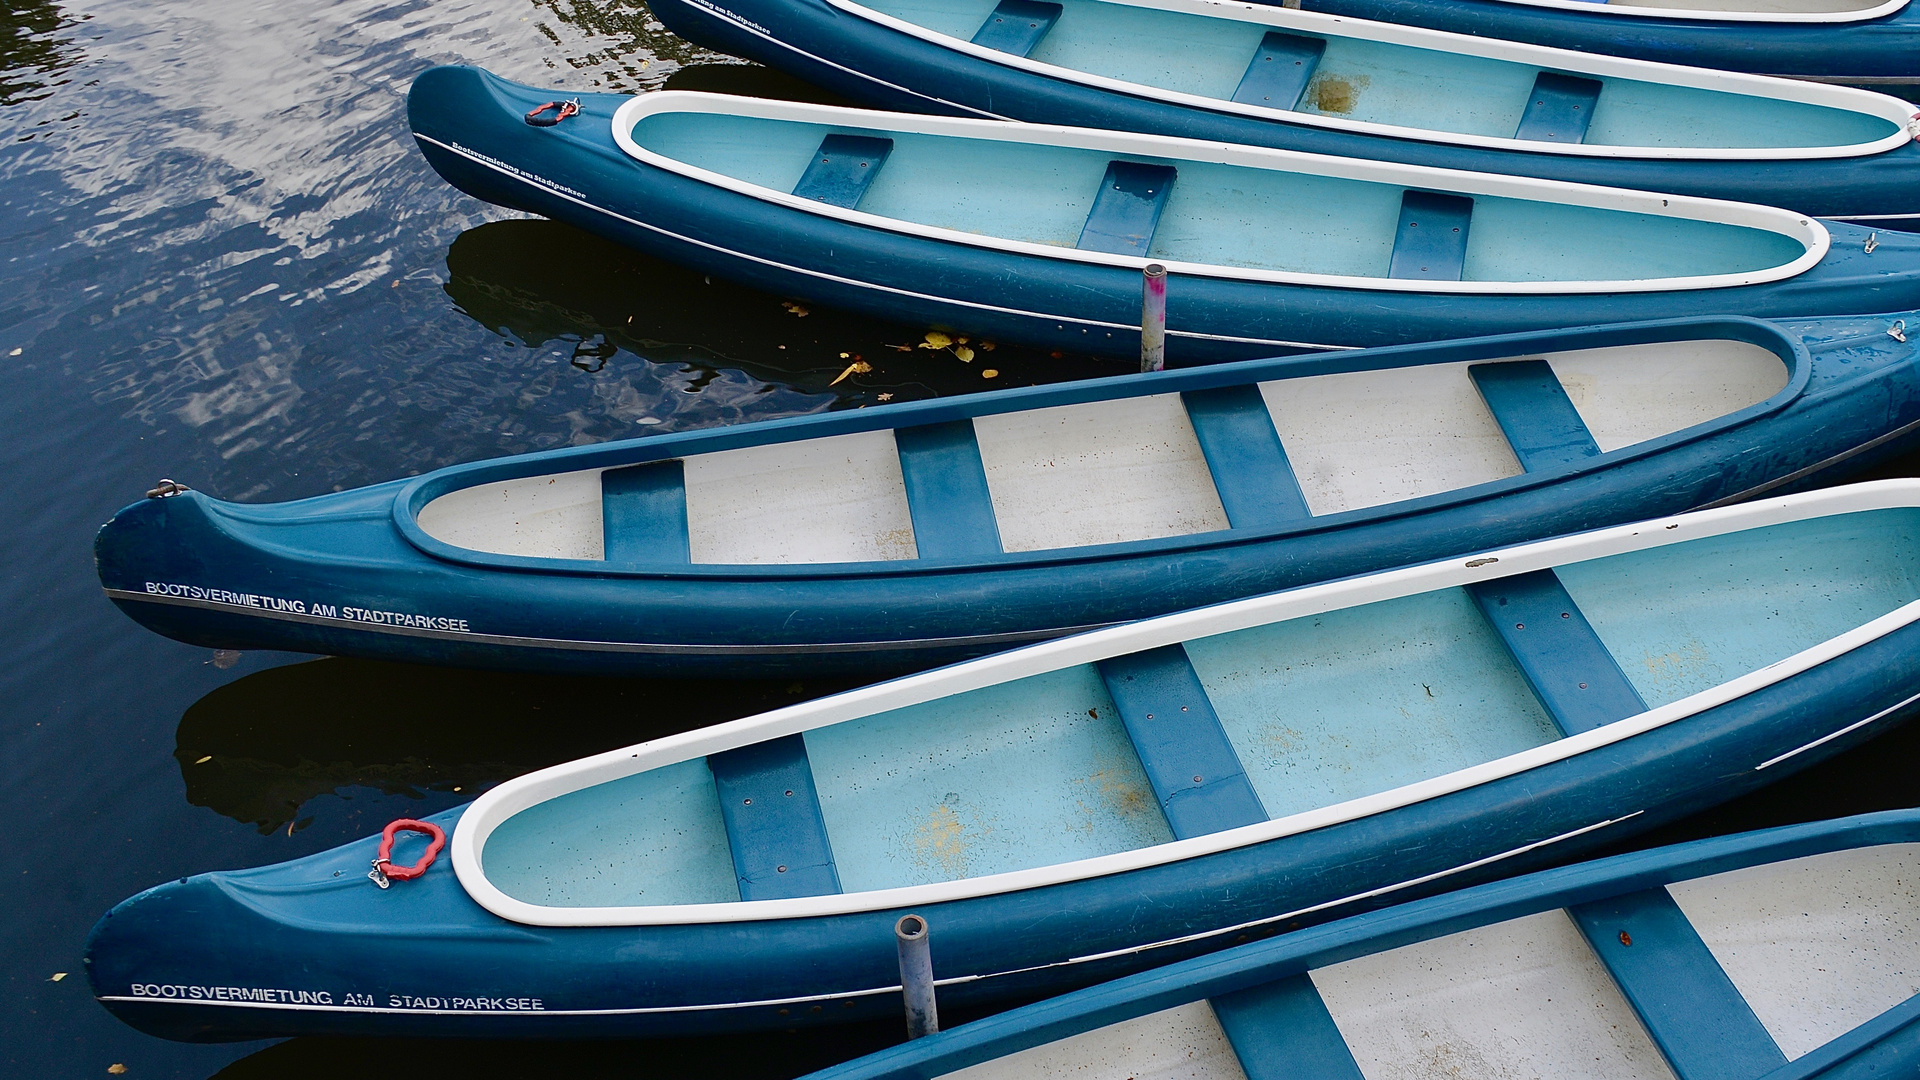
[(1534, 412), (1127, 210), (1692, 1010), (947, 490), (1250, 469), (1559, 109), (1282, 1031), (1431, 242), (1017, 26), (643, 513), (1568, 667), (772, 814), (1194, 770), (843, 168), (1281, 69)]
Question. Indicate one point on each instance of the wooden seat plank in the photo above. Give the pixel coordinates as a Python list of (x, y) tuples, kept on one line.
[(774, 826), (643, 513), (947, 490), (1192, 766), (1127, 210), (1281, 69), (1560, 109), (1694, 1013), (1017, 26), (1570, 669), (842, 169), (1250, 469), (1431, 242), (1534, 412), (1282, 1031)]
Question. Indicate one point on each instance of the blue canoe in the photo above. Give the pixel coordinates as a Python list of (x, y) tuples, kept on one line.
[(1788, 954), (905, 535), (1300, 80), (1079, 809), (1039, 234), (1861, 42)]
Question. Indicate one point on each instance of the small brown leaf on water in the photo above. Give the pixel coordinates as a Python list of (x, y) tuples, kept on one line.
[(990, 373), (858, 367), (798, 309), (886, 397), (986, 346)]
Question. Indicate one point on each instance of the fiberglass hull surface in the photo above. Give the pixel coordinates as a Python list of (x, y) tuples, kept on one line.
[(1886, 49), (882, 67), (1885, 1045), (334, 574), (312, 947), (470, 126)]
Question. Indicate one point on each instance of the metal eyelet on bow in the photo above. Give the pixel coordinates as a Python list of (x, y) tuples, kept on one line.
[(166, 488), (563, 109), (1898, 331), (1873, 241)]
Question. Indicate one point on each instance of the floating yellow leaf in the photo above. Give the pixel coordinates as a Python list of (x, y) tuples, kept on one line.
[(858, 367), (936, 340), (57, 976), (116, 1069), (843, 356), (961, 338), (886, 397), (964, 353), (797, 309), (986, 346), (990, 373), (204, 760)]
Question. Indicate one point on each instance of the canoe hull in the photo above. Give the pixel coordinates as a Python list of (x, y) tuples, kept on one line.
[(311, 947), (881, 67), (335, 575), (469, 125)]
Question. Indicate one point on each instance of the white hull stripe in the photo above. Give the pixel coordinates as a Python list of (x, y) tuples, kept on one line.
[(873, 991), (661, 648), (553, 190), (1832, 735)]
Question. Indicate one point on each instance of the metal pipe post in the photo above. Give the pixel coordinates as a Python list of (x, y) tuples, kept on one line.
[(916, 976), (1153, 318)]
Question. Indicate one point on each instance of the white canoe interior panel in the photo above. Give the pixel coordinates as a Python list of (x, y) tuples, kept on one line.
[(838, 499), (1363, 438), (1130, 469), (1817, 945), (1632, 393), (1181, 1043), (1525, 998), (1098, 473), (554, 517)]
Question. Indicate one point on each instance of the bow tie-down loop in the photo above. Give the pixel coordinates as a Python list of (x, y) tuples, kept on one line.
[(384, 872), (563, 109)]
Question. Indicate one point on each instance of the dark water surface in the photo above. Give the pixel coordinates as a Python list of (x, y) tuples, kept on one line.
[(222, 261)]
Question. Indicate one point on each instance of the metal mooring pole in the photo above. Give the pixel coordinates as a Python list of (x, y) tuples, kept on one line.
[(1153, 318), (916, 976)]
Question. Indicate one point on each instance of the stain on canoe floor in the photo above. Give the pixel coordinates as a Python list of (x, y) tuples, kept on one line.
[(1336, 93)]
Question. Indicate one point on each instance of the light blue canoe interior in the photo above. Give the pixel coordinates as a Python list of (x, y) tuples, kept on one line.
[(1223, 215), (1227, 730), (1378, 82)]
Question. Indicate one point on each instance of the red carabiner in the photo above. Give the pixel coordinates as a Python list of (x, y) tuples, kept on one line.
[(383, 868), (565, 109)]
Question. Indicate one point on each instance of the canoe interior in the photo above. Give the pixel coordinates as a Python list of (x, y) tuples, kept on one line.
[(1230, 216), (1219, 55), (1815, 946), (1111, 471), (1296, 714)]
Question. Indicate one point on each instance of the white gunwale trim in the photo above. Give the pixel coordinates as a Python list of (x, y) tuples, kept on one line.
[(1807, 231), (501, 803), (1881, 106), (1702, 15)]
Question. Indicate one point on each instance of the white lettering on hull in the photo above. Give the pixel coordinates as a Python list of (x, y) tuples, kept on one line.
[(314, 609)]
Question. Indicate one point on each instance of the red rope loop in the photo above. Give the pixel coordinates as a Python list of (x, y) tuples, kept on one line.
[(383, 868), (565, 109)]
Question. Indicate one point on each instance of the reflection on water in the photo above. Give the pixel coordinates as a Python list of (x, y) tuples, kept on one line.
[(35, 48), (544, 285), (261, 748)]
